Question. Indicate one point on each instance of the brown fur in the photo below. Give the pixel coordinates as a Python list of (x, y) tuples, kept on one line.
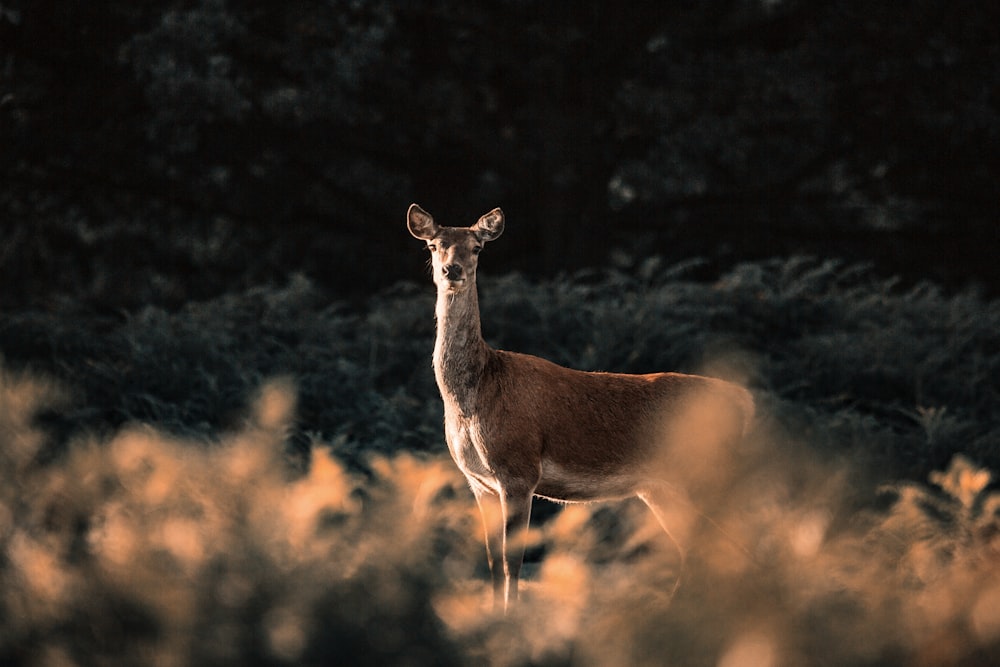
[(519, 426)]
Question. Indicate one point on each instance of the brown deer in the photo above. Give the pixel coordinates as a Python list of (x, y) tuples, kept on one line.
[(519, 426)]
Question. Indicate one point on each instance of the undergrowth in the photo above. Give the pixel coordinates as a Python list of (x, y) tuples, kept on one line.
[(261, 479), (148, 549), (906, 378)]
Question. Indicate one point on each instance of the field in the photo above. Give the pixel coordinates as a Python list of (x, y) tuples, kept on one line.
[(261, 479)]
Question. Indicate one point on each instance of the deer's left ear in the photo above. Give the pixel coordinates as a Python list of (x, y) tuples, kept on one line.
[(490, 226)]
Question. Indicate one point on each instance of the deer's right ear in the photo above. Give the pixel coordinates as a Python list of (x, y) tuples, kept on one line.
[(420, 223)]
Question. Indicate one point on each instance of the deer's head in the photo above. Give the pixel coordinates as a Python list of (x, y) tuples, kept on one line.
[(454, 250)]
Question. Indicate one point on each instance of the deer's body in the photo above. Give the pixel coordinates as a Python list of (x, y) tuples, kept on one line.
[(580, 436), (520, 426)]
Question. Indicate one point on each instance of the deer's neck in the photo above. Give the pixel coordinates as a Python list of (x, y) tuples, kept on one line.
[(460, 353)]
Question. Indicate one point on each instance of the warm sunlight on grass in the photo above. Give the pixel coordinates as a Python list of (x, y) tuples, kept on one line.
[(147, 549)]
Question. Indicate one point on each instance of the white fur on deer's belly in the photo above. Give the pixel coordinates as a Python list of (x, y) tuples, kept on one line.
[(572, 486), (557, 482)]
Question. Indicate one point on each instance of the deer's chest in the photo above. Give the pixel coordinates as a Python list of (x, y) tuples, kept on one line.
[(467, 447)]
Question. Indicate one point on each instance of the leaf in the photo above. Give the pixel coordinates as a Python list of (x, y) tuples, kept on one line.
[(962, 480)]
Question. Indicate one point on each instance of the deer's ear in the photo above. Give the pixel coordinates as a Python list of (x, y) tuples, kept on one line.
[(490, 226), (420, 223)]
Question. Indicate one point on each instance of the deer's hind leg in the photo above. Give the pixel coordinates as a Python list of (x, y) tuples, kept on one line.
[(672, 511)]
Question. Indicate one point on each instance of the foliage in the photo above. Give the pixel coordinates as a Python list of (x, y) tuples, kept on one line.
[(143, 548), (149, 550), (205, 460), (183, 147), (905, 378), (260, 479)]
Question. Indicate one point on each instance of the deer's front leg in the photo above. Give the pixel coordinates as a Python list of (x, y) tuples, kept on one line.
[(515, 501), (493, 527)]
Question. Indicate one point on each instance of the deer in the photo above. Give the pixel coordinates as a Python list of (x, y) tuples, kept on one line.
[(519, 426)]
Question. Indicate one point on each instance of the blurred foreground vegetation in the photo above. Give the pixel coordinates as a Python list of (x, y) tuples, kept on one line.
[(261, 479)]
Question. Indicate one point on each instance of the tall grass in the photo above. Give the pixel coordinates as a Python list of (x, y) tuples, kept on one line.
[(261, 479)]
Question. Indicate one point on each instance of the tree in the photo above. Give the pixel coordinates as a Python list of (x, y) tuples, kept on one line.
[(194, 145)]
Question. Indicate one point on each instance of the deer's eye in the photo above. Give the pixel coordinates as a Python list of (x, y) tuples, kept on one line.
[(477, 249)]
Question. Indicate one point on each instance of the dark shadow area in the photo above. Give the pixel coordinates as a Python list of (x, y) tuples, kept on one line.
[(174, 151)]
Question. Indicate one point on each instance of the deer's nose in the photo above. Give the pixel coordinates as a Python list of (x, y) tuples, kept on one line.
[(453, 271)]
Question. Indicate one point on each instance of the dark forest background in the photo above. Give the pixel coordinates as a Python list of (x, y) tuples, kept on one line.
[(162, 152)]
